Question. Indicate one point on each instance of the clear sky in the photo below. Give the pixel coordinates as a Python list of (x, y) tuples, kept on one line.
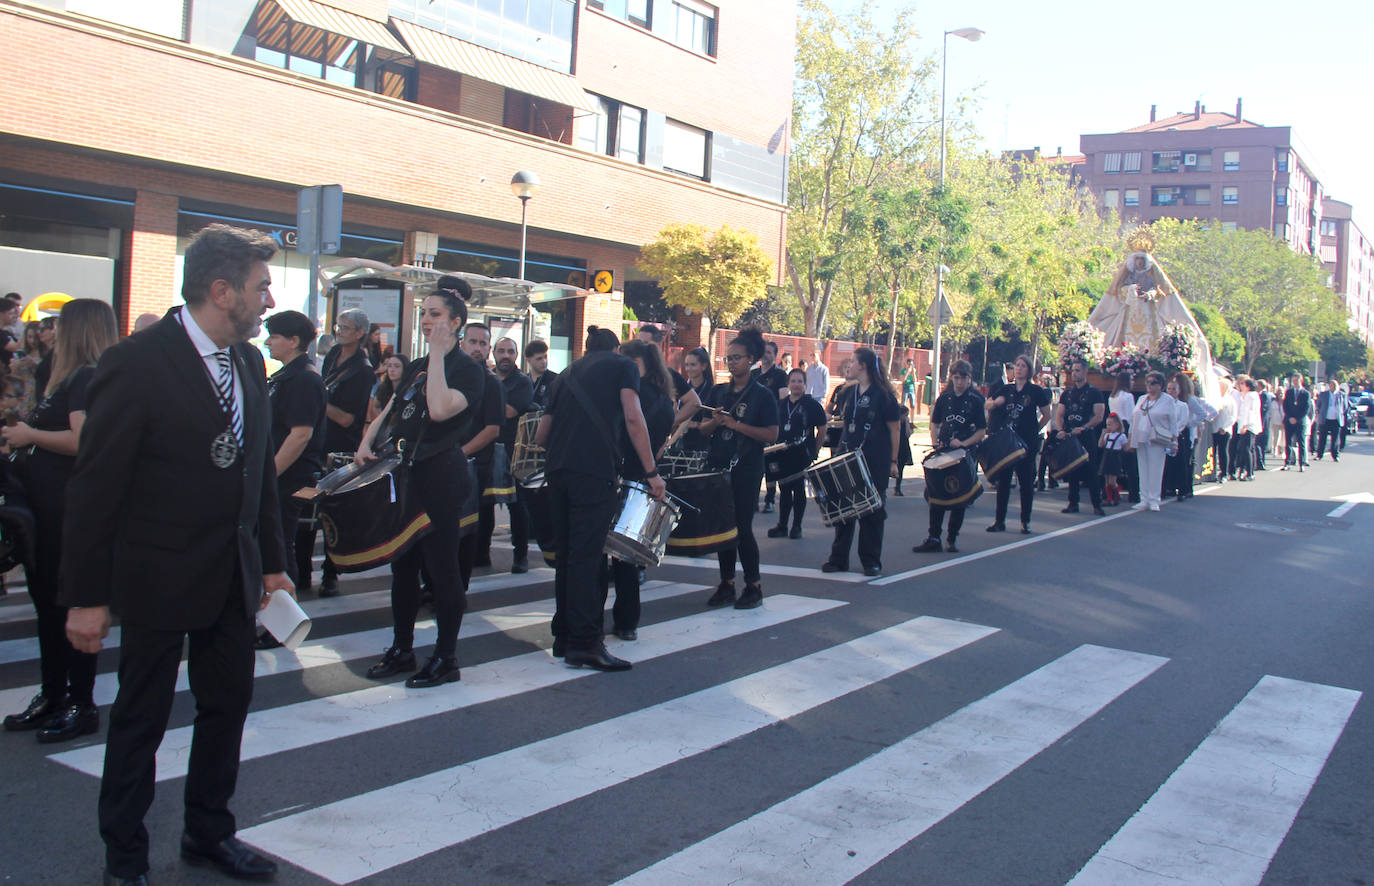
[(1046, 73)]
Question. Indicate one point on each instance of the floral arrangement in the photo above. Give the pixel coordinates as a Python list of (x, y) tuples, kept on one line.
[(1177, 347), (1081, 341), (1124, 358)]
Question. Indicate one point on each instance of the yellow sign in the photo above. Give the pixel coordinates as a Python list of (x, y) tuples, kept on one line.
[(603, 281), (48, 303)]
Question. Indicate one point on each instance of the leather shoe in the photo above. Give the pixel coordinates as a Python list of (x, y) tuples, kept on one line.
[(724, 595), (520, 565), (1098, 512), (597, 657), (871, 571), (752, 598), (827, 566), (629, 635), (74, 720), (795, 533), (40, 709), (1071, 509), (997, 527), (436, 671), (329, 586), (951, 547), (777, 531), (229, 855), (394, 661), (929, 546), (1025, 529), (112, 880), (560, 647)]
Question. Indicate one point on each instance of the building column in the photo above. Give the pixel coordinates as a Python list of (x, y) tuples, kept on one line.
[(150, 271)]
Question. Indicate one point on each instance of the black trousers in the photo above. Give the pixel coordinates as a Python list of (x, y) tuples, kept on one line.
[(1261, 448), (625, 575), (519, 527), (937, 520), (1295, 442), (290, 512), (1221, 453), (65, 671), (1086, 475), (870, 528), (1330, 428), (305, 550), (1243, 462), (744, 484), (1178, 469), (1024, 471), (441, 482), (770, 492), (792, 502), (582, 507), (220, 665)]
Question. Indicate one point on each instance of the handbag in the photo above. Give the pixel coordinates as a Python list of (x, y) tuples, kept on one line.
[(1157, 437)]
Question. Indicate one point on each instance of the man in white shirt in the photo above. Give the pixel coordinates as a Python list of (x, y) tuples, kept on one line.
[(1331, 409), (1222, 452), (817, 378)]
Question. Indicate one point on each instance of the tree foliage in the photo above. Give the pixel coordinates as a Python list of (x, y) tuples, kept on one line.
[(1227, 347), (718, 274)]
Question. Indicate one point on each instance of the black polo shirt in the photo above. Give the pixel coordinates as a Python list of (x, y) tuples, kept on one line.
[(775, 379), (410, 411), (1021, 410), (491, 412), (576, 442), (1078, 403), (518, 391), (541, 388), (754, 405), (349, 385), (658, 418), (958, 415), (866, 414), (297, 395)]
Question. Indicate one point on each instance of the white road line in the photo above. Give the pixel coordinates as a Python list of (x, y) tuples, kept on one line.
[(306, 723), (1222, 815), (362, 644), (770, 569), (405, 821), (833, 832), (1343, 509)]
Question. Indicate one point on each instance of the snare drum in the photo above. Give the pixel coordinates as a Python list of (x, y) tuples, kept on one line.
[(367, 519), (642, 525), (707, 524), (1067, 456), (842, 488), (1002, 449), (951, 478), (527, 458), (677, 462)]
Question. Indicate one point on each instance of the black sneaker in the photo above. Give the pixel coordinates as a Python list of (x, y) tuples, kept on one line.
[(795, 533), (1071, 509), (752, 598), (724, 595), (777, 531), (929, 546)]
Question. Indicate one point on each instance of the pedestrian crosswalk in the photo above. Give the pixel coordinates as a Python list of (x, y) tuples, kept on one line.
[(1218, 817)]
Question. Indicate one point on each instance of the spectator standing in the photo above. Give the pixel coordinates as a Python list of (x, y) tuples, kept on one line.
[(1122, 402), (393, 369), (11, 342), (1222, 426), (1262, 439), (1249, 423), (817, 378), (1273, 416), (1332, 405), (1154, 434)]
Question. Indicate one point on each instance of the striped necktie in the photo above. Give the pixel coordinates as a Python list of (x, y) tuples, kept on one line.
[(224, 387)]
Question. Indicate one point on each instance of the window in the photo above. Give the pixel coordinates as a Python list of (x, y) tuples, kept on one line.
[(1111, 198), (685, 149), (1203, 164), (1230, 195), (1111, 163), (1167, 161), (1280, 196), (1281, 230), (615, 129), (1228, 227), (593, 130), (1132, 197), (1281, 161), (1165, 196), (634, 11), (694, 26), (1328, 227), (1200, 197), (1130, 161), (629, 134), (1230, 160)]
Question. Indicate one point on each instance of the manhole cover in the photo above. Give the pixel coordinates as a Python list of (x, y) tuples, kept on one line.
[(1268, 527), (1317, 522)]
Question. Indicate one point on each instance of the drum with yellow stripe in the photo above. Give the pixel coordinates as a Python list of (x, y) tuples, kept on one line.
[(707, 522), (367, 518)]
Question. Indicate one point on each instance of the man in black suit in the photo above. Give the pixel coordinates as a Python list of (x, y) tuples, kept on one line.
[(1297, 412), (173, 523)]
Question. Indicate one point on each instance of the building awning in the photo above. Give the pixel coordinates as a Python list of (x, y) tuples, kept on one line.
[(476, 61), (336, 21), (488, 293)]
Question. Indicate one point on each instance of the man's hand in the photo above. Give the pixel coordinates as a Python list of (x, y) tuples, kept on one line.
[(273, 582), (657, 487), (363, 455), (87, 626)]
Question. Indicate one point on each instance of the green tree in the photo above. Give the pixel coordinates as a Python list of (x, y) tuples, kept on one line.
[(717, 274), (1344, 352), (1226, 346)]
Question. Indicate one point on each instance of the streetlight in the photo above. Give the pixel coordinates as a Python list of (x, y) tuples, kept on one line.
[(524, 185), (972, 35)]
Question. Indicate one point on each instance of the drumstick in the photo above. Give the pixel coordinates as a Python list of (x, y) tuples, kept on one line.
[(675, 436), (776, 447)]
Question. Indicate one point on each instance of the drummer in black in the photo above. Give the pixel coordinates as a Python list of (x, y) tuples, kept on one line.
[(1025, 406), (541, 376), (872, 423), (958, 421), (774, 378), (1081, 412), (518, 393), (746, 421), (431, 408), (684, 395), (596, 397), (800, 419), (696, 363), (478, 441)]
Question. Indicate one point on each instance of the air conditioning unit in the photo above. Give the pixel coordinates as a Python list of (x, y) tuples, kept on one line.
[(1190, 159)]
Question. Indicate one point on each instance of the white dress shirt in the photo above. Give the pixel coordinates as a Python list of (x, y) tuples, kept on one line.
[(207, 350), (1248, 417), (818, 381)]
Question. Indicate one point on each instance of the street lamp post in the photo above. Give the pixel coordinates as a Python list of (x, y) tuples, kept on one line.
[(973, 35), (523, 185)]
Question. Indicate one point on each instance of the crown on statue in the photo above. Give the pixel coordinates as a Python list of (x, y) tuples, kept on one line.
[(1141, 240)]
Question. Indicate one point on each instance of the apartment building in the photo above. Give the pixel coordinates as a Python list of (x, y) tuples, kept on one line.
[(1210, 165), (1349, 255), (128, 126)]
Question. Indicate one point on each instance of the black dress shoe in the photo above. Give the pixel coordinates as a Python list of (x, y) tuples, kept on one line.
[(898, 491), (827, 566), (1071, 509), (520, 565), (752, 598), (482, 562), (112, 880), (229, 855), (435, 672), (560, 647), (724, 595), (795, 533), (73, 721), (265, 640), (1098, 512), (929, 546), (629, 635), (777, 531), (1025, 529), (40, 709), (597, 657), (329, 586), (394, 661), (999, 526), (871, 571)]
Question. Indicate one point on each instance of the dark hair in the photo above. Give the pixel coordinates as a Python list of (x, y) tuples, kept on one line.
[(477, 324), (535, 348), (460, 287), (868, 358), (1155, 375), (770, 344), (385, 389), (1185, 387), (292, 324), (1030, 367), (751, 339), (599, 339), (222, 252), (454, 301), (958, 367), (801, 372), (655, 332), (1122, 383), (655, 369), (15, 297), (35, 327), (703, 356)]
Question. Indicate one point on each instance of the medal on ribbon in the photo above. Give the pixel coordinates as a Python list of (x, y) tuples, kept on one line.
[(224, 450)]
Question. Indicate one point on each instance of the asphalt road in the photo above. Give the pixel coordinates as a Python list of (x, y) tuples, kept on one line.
[(1143, 698)]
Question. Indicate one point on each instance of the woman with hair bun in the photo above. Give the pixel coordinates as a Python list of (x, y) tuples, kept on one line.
[(746, 421)]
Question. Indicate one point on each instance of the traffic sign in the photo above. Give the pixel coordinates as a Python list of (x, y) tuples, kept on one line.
[(940, 311)]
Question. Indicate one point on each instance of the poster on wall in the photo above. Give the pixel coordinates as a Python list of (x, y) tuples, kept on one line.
[(382, 306)]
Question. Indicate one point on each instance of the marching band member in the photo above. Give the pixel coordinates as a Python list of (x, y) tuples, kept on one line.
[(1082, 410), (800, 419), (478, 442), (745, 420), (1025, 406), (872, 425), (427, 417), (956, 422), (518, 392), (541, 376)]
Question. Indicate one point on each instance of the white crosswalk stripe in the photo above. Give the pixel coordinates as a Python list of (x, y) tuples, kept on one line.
[(507, 787)]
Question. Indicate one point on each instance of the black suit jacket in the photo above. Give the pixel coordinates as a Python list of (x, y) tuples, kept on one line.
[(153, 529), (1297, 403)]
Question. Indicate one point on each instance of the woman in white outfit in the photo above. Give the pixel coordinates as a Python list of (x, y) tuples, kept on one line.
[(1249, 425), (1154, 435)]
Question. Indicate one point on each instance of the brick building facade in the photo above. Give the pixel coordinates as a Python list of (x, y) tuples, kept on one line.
[(1349, 255)]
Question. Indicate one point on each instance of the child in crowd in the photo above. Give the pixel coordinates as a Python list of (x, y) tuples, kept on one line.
[(1112, 443)]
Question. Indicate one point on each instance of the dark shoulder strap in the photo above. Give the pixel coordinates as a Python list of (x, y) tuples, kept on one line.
[(580, 393)]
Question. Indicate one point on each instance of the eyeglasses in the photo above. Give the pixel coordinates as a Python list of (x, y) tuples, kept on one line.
[(735, 358)]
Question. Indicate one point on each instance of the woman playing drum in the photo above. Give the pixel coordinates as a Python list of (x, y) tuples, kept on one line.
[(1025, 407), (746, 419), (872, 423), (424, 420), (957, 422), (801, 418)]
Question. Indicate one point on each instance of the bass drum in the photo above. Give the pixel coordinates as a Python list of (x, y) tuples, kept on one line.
[(707, 522), (951, 478), (540, 507), (1002, 449), (367, 516), (1066, 456)]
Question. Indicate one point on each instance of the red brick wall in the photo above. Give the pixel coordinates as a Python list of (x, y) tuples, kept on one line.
[(152, 246)]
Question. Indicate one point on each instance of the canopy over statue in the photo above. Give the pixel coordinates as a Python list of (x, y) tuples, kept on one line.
[(1141, 303)]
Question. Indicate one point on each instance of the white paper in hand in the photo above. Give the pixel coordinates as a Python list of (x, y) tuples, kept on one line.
[(285, 619)]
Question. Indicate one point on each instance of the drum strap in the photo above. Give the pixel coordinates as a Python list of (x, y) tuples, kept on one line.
[(597, 421)]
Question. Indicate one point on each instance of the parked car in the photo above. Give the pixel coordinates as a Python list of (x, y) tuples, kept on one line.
[(1363, 404)]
